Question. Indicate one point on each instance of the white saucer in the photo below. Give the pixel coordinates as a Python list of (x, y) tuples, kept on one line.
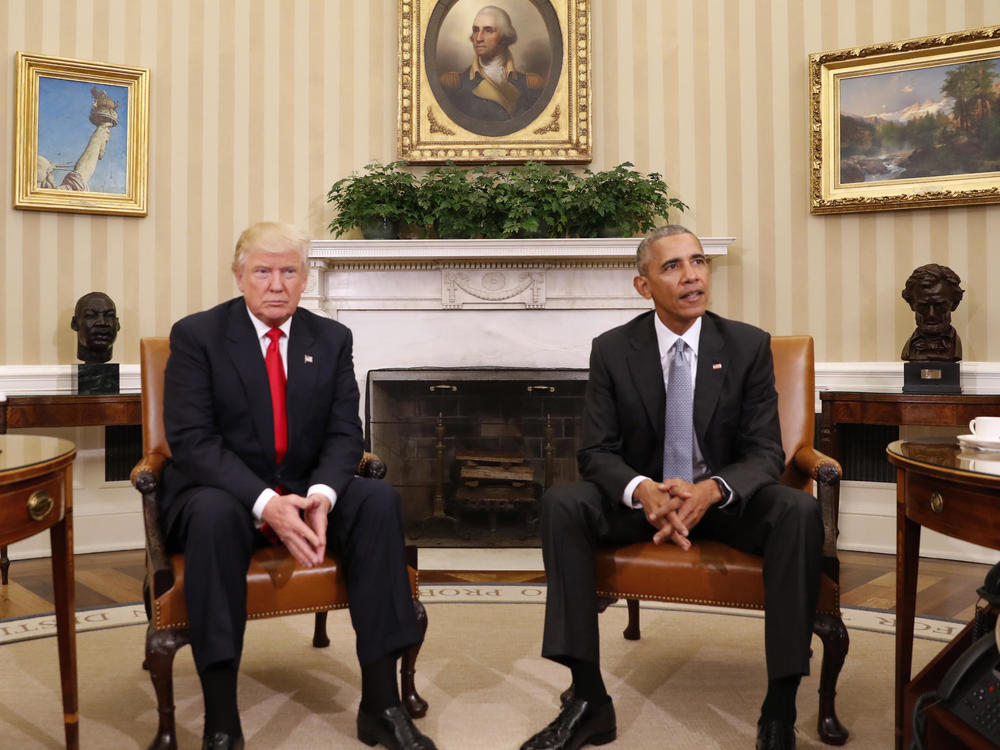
[(971, 441)]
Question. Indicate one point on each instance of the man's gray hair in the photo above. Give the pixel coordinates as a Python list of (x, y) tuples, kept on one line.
[(507, 33), (667, 230)]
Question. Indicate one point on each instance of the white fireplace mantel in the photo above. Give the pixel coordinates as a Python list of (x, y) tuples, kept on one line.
[(542, 274), (551, 251)]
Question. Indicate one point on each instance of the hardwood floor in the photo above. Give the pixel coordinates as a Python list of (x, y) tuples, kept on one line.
[(945, 588)]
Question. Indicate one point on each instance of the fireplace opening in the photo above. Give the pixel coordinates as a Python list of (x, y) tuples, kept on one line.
[(471, 450)]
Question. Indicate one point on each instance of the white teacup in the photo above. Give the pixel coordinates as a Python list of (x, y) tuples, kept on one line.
[(986, 428)]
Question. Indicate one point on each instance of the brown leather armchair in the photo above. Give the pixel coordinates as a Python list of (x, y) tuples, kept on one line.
[(715, 574), (276, 585)]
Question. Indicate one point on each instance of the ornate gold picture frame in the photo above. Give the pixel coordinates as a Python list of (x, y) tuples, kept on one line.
[(81, 137), (909, 124), (536, 108)]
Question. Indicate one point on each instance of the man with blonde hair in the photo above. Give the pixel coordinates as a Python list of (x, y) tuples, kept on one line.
[(261, 415)]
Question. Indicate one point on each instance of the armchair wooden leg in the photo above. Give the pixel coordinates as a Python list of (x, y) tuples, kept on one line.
[(631, 631), (320, 638), (836, 641), (415, 706), (161, 646)]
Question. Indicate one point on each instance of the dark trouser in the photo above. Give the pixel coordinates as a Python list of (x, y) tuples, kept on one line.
[(216, 533), (780, 523)]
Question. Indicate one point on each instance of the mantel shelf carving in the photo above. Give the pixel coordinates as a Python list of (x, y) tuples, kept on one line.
[(615, 251)]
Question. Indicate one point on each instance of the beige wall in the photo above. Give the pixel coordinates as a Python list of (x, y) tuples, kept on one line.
[(257, 106)]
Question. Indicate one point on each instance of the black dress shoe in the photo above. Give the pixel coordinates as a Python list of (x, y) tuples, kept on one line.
[(774, 734), (393, 729), (222, 741), (578, 724)]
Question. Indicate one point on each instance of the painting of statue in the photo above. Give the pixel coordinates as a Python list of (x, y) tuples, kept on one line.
[(82, 136)]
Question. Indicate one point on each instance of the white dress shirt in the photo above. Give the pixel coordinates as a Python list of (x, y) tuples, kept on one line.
[(262, 328)]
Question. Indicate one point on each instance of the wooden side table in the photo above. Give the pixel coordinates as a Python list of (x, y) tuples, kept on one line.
[(938, 486), (36, 493), (862, 407), (65, 410)]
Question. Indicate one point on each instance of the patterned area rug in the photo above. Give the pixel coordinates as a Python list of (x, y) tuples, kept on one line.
[(694, 680)]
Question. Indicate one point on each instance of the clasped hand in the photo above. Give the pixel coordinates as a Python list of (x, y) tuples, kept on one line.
[(300, 523), (674, 507)]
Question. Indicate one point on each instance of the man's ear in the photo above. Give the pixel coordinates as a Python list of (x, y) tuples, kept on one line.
[(641, 284), (73, 324)]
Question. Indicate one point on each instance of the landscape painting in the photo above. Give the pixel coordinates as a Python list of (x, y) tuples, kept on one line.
[(927, 122), (913, 123)]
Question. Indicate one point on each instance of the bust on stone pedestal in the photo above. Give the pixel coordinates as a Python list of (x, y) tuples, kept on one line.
[(934, 349), (96, 323)]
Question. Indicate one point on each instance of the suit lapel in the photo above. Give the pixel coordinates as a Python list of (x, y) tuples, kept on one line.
[(710, 376), (647, 373), (303, 368), (245, 352)]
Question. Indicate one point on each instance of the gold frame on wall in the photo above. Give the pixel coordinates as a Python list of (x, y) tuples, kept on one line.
[(125, 161), (556, 127), (829, 191)]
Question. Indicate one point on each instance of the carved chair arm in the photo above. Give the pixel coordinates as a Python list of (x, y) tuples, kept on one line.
[(371, 466), (819, 466), (146, 478), (826, 472)]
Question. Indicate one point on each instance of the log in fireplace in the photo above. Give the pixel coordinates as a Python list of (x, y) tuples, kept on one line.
[(472, 449)]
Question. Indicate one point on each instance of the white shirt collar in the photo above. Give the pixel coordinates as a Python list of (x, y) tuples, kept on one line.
[(262, 328), (665, 338)]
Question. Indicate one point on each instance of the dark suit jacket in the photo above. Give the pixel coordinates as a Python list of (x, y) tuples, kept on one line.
[(217, 407), (735, 407)]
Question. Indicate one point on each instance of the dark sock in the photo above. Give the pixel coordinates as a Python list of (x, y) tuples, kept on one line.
[(779, 703), (379, 690), (588, 684), (218, 686)]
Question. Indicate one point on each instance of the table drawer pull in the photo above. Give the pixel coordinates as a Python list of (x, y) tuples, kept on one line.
[(937, 502), (40, 505)]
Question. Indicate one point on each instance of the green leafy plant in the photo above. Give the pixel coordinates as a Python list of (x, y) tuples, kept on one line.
[(455, 202), (620, 202), (532, 200), (378, 201)]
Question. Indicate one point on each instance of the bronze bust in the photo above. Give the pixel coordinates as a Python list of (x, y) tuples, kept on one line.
[(96, 323), (933, 293)]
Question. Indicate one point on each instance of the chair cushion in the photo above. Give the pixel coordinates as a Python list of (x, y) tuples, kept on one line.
[(276, 586), (709, 573)]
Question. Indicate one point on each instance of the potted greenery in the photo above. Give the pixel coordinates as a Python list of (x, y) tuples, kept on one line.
[(619, 202), (455, 202), (378, 201), (532, 199)]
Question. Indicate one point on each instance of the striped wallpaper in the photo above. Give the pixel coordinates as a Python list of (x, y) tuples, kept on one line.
[(257, 106)]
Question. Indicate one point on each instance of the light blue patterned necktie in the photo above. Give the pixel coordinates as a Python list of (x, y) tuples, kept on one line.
[(678, 433)]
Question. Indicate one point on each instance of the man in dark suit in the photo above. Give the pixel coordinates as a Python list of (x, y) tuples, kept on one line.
[(715, 476), (246, 468)]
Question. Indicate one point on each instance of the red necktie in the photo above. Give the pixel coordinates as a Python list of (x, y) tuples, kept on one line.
[(276, 378)]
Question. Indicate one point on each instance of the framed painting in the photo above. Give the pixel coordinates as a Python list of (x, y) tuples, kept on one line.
[(908, 124), (81, 136), (507, 82)]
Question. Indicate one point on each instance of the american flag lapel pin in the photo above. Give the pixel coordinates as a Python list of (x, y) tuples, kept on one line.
[(309, 359), (717, 366)]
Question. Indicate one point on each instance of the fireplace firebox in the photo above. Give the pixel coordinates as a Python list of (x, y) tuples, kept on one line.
[(471, 450)]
